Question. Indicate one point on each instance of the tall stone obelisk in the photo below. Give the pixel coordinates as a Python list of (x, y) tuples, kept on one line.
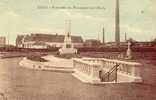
[(117, 24), (67, 38)]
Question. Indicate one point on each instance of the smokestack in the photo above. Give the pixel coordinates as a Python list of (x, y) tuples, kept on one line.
[(8, 38), (103, 36), (125, 36), (117, 24)]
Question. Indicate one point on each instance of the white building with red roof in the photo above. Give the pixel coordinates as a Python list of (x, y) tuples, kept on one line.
[(39, 40)]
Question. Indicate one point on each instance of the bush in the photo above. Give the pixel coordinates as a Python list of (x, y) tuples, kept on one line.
[(36, 58)]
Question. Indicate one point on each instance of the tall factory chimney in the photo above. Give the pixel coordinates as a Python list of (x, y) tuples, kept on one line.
[(117, 24), (103, 40), (125, 36)]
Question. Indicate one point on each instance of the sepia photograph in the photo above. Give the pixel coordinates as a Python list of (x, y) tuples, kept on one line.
[(77, 50)]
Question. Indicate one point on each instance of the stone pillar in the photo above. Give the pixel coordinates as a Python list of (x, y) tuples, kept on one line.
[(136, 71), (94, 75)]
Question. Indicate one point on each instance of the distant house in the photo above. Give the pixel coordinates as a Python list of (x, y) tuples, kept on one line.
[(45, 41), (113, 44), (92, 43), (133, 43), (145, 44), (2, 41)]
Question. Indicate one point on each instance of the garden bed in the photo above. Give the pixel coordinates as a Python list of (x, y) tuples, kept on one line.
[(37, 58)]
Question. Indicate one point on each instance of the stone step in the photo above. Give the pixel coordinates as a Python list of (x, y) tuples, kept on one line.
[(58, 69)]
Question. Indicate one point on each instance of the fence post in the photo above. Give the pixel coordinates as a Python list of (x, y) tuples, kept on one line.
[(108, 76), (116, 73)]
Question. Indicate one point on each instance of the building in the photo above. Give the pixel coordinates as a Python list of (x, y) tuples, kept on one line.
[(145, 44), (134, 44), (92, 43), (2, 41), (40, 40)]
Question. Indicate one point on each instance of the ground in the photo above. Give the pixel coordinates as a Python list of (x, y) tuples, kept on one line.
[(18, 83)]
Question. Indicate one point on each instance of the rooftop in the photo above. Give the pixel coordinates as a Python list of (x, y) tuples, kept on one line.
[(46, 38)]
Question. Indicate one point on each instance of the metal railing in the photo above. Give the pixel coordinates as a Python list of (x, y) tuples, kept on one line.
[(3, 96), (111, 75)]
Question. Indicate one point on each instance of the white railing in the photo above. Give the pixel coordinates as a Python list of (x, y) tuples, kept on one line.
[(125, 67), (88, 69), (127, 71), (31, 64)]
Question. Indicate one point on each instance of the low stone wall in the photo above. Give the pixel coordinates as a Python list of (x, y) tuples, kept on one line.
[(86, 71), (91, 67), (32, 64), (148, 74), (127, 71), (46, 66)]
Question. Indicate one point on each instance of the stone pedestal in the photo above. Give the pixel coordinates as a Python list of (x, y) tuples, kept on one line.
[(68, 47), (129, 52)]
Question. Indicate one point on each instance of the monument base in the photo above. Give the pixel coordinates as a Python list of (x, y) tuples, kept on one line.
[(67, 51)]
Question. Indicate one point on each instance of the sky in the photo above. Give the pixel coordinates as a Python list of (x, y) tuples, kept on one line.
[(137, 18)]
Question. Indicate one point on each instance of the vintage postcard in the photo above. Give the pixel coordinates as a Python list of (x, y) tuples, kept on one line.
[(77, 50)]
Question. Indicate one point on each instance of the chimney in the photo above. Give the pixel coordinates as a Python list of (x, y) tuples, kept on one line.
[(125, 36), (103, 36), (117, 24)]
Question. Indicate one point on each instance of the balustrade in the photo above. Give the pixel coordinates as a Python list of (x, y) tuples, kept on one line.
[(92, 66), (88, 68)]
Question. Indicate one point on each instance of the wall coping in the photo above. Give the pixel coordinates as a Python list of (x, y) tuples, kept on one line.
[(114, 61), (86, 62)]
